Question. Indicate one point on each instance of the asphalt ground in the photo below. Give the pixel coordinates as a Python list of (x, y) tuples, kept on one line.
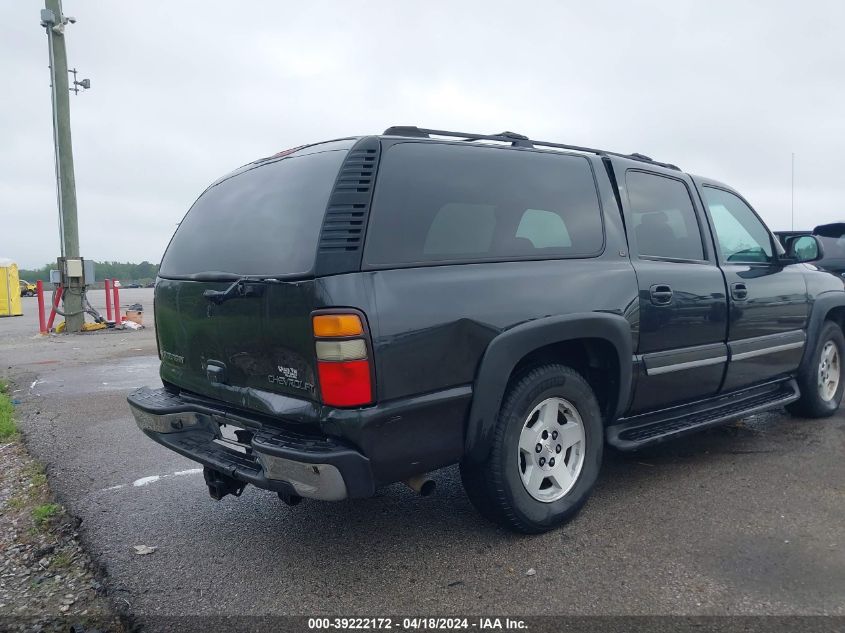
[(746, 519)]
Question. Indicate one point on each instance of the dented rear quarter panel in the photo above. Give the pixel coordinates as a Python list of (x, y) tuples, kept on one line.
[(435, 323)]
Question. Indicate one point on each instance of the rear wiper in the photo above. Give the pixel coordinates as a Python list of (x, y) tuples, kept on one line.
[(242, 288)]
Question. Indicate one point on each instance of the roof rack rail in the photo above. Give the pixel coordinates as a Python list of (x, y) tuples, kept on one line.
[(516, 140)]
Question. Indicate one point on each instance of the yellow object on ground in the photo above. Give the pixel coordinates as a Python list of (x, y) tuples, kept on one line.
[(10, 289), (86, 327)]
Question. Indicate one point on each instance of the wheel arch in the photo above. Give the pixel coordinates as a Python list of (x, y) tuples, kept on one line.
[(541, 340), (829, 306)]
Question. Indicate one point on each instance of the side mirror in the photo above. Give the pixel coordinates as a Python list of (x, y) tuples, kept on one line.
[(805, 248)]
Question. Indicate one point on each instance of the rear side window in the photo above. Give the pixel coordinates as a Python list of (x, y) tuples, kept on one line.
[(437, 203), (264, 220), (663, 217), (544, 229), (460, 228)]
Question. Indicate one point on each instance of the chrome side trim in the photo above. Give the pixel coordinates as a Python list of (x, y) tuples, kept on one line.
[(704, 362), (767, 350)]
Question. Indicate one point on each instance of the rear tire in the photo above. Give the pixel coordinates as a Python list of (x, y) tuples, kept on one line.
[(553, 409), (822, 383)]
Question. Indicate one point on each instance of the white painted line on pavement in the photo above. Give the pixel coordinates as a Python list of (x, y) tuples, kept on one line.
[(143, 481), (146, 481)]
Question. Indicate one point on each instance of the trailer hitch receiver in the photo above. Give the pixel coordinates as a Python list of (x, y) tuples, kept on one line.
[(220, 485)]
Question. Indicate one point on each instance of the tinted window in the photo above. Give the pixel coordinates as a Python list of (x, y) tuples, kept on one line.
[(741, 235), (438, 203), (263, 221), (544, 229), (460, 228), (662, 217)]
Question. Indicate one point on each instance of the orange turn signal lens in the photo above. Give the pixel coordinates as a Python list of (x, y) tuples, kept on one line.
[(327, 325)]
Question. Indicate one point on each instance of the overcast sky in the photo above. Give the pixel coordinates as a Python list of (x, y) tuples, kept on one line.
[(183, 92)]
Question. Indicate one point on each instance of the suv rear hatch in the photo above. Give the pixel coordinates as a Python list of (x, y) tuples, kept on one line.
[(234, 300)]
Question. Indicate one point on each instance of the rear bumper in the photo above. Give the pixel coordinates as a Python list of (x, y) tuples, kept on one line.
[(283, 460)]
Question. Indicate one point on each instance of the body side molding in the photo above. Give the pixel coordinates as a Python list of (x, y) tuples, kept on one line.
[(657, 363), (768, 344)]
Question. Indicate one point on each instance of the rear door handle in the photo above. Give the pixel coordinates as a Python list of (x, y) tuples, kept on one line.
[(739, 291), (661, 294)]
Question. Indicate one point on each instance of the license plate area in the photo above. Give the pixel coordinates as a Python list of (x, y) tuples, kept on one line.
[(234, 437)]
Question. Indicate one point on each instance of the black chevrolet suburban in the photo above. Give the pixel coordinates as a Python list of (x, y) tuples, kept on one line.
[(362, 311)]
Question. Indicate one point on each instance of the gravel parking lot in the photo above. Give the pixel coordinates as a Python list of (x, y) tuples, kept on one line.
[(745, 519)]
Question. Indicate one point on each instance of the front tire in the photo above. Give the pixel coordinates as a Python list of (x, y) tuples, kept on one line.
[(546, 452), (822, 384)]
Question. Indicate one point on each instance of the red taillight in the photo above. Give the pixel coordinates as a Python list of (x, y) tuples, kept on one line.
[(343, 365), (345, 384)]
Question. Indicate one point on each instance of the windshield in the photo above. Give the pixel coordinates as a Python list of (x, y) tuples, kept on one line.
[(263, 221)]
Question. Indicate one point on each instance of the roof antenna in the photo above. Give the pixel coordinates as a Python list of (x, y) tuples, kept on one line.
[(792, 212)]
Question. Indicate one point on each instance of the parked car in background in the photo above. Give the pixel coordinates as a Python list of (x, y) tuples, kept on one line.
[(427, 298), (134, 284), (832, 238), (27, 289)]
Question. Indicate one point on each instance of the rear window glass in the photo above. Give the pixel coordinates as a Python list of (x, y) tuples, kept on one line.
[(263, 221), (440, 203)]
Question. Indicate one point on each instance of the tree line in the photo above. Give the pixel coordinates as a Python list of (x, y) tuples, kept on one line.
[(125, 272)]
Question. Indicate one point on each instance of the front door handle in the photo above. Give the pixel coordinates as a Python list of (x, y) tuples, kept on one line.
[(661, 294), (739, 291)]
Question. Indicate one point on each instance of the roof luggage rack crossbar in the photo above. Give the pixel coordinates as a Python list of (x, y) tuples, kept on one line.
[(516, 140)]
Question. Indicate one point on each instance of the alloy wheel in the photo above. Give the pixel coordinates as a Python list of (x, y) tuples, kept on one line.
[(551, 449), (829, 371)]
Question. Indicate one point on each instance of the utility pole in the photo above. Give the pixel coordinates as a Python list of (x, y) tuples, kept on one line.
[(54, 22)]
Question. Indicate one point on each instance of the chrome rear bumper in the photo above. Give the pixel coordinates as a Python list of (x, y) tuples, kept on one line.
[(272, 457)]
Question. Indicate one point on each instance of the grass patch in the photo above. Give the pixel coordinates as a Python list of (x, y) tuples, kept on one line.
[(37, 476), (62, 560), (43, 513), (17, 503), (8, 429)]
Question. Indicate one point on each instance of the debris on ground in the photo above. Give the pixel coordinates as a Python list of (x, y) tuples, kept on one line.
[(47, 582), (134, 314), (143, 550), (86, 327)]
